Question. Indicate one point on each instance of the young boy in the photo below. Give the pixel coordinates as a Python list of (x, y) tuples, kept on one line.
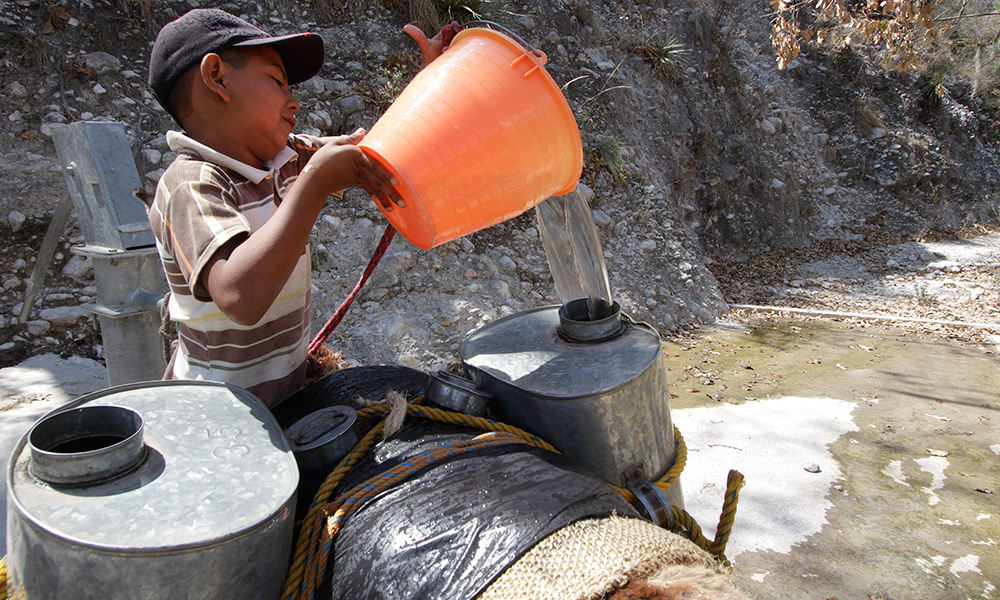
[(232, 214)]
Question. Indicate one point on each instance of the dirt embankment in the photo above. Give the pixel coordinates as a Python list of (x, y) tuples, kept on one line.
[(713, 177)]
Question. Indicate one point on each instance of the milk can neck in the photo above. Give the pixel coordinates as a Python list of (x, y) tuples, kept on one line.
[(576, 324)]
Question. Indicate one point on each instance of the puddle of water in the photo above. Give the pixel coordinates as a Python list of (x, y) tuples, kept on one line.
[(573, 250)]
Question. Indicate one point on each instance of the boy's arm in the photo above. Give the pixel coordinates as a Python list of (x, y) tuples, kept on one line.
[(246, 275)]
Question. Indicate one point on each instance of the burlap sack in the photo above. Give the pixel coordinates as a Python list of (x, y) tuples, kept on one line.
[(593, 557)]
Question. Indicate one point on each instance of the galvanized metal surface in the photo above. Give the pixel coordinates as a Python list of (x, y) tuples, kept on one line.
[(101, 177), (604, 404), (459, 394), (207, 514), (85, 445), (321, 439), (44, 257), (127, 280)]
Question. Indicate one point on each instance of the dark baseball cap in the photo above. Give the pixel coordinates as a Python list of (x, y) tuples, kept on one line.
[(182, 43)]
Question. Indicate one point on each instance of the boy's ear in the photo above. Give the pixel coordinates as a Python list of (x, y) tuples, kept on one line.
[(213, 75)]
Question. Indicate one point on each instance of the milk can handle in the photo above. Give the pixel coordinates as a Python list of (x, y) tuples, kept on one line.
[(492, 24)]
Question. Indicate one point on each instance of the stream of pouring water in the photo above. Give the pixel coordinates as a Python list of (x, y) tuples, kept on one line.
[(573, 250)]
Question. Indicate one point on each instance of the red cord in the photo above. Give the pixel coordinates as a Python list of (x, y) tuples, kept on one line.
[(449, 31), (324, 333)]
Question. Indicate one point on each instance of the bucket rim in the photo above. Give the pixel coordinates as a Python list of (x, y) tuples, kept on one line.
[(415, 210), (564, 108)]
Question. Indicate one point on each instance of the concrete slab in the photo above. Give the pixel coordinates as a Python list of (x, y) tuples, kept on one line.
[(905, 433), (33, 388)]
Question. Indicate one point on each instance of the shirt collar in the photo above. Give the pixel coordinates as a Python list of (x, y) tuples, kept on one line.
[(178, 142)]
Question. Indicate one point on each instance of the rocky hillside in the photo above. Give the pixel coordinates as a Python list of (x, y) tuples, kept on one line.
[(697, 154)]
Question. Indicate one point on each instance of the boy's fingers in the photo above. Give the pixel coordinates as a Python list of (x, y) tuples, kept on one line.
[(386, 192), (429, 48), (418, 36), (379, 172), (352, 138)]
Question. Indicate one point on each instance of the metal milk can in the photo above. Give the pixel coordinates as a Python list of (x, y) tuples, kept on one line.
[(594, 389), (168, 489)]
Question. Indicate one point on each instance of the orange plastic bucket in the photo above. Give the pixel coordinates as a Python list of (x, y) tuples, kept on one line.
[(479, 136)]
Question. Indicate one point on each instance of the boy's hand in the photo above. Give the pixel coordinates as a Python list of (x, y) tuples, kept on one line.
[(429, 48), (341, 164)]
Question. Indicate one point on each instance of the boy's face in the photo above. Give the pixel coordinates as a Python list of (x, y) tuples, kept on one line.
[(262, 106)]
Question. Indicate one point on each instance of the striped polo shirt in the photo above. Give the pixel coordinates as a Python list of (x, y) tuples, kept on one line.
[(203, 200)]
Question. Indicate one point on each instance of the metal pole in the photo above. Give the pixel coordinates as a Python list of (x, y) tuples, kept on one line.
[(48, 249)]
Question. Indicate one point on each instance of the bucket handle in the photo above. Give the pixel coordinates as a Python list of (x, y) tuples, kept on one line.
[(495, 25)]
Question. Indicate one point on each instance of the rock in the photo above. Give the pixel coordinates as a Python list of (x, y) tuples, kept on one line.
[(64, 316), (777, 184), (16, 220), (526, 22), (351, 104), (38, 327), (15, 90), (730, 172), (100, 89), (320, 119), (496, 289), (78, 268), (102, 62), (19, 265), (152, 156), (648, 246), (601, 218), (393, 327), (877, 133), (812, 468), (507, 263)]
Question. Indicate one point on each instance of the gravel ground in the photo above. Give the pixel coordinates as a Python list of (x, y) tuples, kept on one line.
[(945, 287)]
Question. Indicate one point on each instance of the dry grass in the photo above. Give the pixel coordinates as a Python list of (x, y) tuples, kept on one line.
[(424, 14), (866, 115)]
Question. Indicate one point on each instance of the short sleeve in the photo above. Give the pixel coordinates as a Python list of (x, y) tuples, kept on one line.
[(193, 215)]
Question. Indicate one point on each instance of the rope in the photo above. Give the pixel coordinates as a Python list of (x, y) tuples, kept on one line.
[(324, 333), (336, 514), (3, 577), (312, 550), (734, 482)]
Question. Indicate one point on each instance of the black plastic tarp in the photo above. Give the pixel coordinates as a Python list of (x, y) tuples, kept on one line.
[(450, 530)]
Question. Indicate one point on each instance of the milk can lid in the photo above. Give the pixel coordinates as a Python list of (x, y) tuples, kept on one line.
[(216, 464), (527, 350)]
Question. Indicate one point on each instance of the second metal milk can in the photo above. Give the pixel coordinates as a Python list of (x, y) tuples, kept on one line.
[(596, 390)]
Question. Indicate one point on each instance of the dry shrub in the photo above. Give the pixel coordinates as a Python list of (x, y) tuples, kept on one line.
[(866, 115)]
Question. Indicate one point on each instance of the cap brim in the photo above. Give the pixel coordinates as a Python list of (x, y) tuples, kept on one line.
[(301, 53)]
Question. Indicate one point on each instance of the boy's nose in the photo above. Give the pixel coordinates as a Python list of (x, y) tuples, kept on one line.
[(293, 104)]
